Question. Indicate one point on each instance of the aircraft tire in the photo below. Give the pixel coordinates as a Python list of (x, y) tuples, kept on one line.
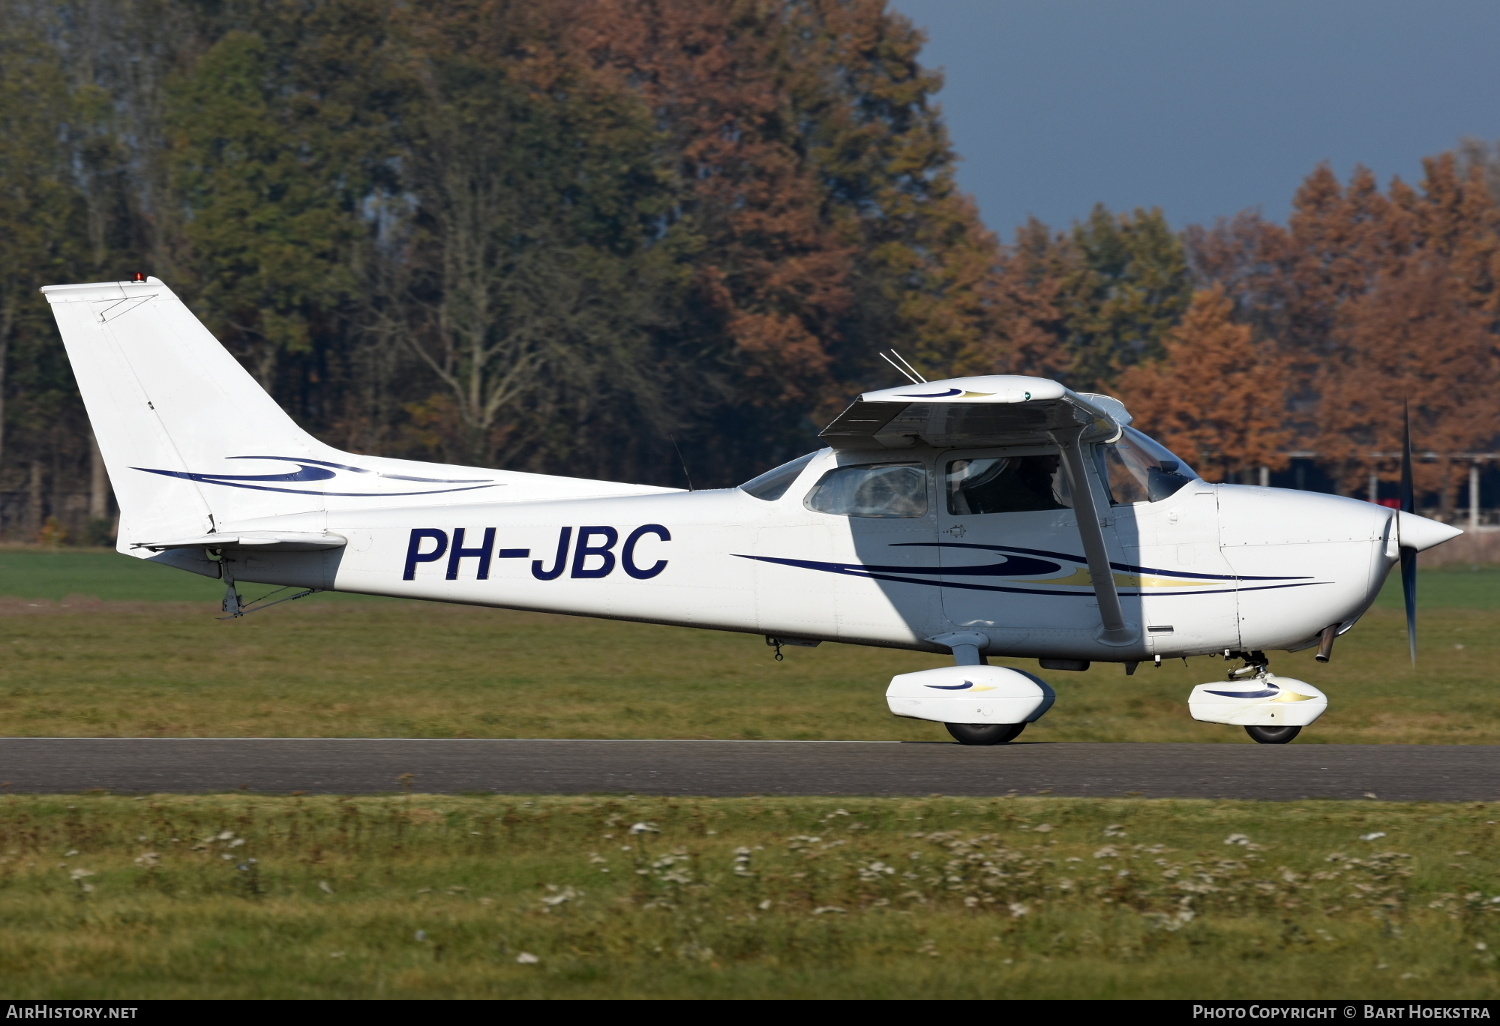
[(1272, 735), (985, 733)]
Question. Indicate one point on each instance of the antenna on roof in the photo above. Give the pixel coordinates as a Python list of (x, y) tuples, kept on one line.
[(682, 461), (906, 370)]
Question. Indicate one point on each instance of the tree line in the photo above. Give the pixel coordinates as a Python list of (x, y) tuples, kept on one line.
[(647, 239)]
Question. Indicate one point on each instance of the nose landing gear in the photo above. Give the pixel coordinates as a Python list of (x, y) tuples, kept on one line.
[(1273, 710)]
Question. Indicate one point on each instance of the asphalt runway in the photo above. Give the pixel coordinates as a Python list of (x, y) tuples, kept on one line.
[(731, 768)]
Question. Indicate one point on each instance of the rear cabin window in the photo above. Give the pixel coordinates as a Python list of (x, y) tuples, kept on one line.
[(1007, 484), (773, 484), (879, 490)]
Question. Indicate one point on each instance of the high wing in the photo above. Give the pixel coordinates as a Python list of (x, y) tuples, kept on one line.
[(960, 413), (996, 410)]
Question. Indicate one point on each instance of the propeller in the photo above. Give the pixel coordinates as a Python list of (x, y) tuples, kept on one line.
[(1408, 553)]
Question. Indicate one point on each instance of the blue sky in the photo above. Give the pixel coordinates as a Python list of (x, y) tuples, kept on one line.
[(1202, 108)]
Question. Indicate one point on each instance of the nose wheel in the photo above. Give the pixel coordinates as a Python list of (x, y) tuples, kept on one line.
[(1272, 735), (985, 733), (1273, 710)]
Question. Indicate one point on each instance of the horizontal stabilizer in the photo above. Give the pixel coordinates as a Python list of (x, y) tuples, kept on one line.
[(279, 541)]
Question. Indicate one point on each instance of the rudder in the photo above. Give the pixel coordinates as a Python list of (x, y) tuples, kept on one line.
[(168, 402)]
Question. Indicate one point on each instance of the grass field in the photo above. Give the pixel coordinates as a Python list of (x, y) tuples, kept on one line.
[(422, 896), (101, 645)]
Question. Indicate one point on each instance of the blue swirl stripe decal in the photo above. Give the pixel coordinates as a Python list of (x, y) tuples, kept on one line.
[(310, 470), (933, 395), (1270, 689), (1026, 563), (1127, 568)]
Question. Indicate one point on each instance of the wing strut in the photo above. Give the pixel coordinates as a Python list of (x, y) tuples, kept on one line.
[(1116, 630)]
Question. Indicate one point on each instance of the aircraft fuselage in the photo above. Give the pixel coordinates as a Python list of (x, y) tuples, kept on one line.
[(1209, 568)]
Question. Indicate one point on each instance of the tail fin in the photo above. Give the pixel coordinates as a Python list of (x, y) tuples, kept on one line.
[(193, 444), (169, 404)]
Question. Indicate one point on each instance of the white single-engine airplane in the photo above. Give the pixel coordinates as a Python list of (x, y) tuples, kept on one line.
[(980, 516)]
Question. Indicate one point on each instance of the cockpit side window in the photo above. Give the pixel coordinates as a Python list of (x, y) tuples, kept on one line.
[(773, 484), (875, 490), (1140, 469), (1007, 484)]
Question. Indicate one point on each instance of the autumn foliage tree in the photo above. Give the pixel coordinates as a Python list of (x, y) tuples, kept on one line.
[(558, 235), (1376, 300), (817, 186), (1084, 305), (578, 236), (1215, 396)]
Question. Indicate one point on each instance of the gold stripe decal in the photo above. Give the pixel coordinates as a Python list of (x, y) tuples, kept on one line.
[(1080, 578)]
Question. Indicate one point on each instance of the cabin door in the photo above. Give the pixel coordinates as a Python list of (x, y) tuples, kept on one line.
[(1008, 545)]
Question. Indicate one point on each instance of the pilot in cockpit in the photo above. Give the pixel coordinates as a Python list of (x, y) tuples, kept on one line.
[(1040, 476), (1013, 484)]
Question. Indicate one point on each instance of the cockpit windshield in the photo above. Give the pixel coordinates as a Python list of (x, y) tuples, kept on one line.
[(1141, 469)]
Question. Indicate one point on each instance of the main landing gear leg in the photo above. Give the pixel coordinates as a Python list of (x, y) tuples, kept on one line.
[(976, 703), (968, 649)]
